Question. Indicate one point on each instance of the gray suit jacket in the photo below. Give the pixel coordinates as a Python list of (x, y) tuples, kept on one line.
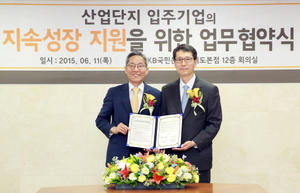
[(201, 128)]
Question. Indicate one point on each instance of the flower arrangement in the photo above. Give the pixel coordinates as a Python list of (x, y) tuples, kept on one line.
[(151, 170), (196, 96), (149, 101)]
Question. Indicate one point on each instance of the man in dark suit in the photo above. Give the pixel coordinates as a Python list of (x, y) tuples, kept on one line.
[(113, 118), (200, 124)]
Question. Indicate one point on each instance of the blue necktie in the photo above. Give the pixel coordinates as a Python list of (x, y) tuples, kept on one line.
[(184, 97)]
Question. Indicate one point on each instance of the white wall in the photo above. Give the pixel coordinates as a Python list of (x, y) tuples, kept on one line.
[(49, 138)]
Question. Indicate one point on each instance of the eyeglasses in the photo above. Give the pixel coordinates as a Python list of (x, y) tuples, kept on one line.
[(186, 60), (139, 66)]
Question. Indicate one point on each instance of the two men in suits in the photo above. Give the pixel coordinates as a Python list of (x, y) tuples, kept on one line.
[(200, 127), (113, 118)]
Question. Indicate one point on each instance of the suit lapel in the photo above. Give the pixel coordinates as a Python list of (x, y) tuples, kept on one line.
[(147, 89), (176, 100), (125, 97), (188, 109)]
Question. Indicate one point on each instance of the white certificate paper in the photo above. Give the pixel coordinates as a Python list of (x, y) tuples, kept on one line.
[(142, 131), (169, 131)]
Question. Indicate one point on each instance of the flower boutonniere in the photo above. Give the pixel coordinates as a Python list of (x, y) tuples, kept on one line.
[(196, 96), (149, 101)]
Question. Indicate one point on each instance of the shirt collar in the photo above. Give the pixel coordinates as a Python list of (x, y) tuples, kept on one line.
[(141, 86), (189, 83)]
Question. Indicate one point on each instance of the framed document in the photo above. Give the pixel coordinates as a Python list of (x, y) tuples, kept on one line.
[(169, 131), (143, 132)]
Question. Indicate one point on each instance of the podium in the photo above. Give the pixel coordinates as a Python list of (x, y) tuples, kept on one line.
[(190, 188)]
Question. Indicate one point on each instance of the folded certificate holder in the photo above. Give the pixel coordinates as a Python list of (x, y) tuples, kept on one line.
[(150, 131)]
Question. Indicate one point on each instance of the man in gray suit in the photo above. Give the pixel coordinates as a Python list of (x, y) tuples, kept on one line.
[(202, 113)]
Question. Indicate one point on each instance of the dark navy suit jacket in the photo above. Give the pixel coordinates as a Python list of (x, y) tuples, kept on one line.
[(201, 128), (116, 109)]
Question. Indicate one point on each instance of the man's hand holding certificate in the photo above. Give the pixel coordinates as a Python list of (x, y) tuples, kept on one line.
[(143, 132)]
